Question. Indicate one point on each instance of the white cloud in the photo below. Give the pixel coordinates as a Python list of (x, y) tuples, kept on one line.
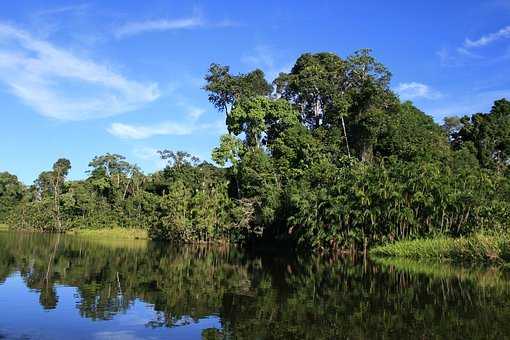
[(150, 154), (127, 131), (134, 28), (146, 153), (151, 157), (464, 52), (444, 56), (80, 8), (195, 113), (414, 90), (457, 57), (262, 56), (485, 40), (42, 76), (162, 25)]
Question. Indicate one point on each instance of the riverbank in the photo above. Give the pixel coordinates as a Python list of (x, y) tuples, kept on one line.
[(113, 233), (476, 248), (107, 233)]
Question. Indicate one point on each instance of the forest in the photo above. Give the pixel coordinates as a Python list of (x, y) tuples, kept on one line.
[(323, 158)]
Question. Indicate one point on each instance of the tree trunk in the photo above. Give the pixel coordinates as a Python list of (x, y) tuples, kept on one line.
[(56, 205), (345, 135), (367, 152), (126, 189), (317, 113)]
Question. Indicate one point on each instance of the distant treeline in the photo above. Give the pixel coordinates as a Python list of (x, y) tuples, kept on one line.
[(326, 158)]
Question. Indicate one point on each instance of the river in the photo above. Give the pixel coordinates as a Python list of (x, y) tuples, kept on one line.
[(67, 287)]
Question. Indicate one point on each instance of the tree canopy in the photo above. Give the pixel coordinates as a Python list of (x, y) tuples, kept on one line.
[(325, 157)]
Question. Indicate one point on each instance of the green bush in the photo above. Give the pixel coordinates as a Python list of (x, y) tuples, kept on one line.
[(476, 248)]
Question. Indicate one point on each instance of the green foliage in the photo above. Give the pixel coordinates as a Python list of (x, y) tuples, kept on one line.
[(230, 151), (225, 89), (329, 160), (413, 180), (195, 214), (475, 248), (411, 135), (259, 115), (350, 95), (316, 86), (392, 199), (485, 134), (11, 193)]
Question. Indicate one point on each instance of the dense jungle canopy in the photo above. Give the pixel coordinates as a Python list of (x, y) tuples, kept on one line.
[(325, 157)]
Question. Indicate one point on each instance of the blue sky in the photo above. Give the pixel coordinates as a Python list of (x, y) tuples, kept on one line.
[(79, 79)]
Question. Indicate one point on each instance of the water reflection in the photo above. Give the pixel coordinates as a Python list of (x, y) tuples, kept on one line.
[(54, 286)]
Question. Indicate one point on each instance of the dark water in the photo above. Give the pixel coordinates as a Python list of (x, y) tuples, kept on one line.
[(56, 287)]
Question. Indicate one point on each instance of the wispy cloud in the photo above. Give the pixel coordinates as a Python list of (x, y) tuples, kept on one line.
[(150, 154), (79, 8), (265, 58), (262, 56), (414, 90), (134, 28), (487, 39), (195, 112), (445, 57), (128, 131), (42, 76), (459, 56), (165, 24), (465, 55)]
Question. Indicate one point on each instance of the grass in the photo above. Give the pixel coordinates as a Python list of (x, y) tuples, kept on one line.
[(475, 248), (107, 233), (113, 233)]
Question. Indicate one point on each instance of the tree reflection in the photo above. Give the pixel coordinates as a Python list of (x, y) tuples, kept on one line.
[(261, 296)]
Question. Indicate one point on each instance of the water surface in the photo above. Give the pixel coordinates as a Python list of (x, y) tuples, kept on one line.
[(65, 287)]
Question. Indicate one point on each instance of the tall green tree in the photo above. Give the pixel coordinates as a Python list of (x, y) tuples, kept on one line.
[(367, 84), (351, 94), (487, 134), (11, 193), (411, 135), (60, 171), (260, 117), (225, 89), (317, 86)]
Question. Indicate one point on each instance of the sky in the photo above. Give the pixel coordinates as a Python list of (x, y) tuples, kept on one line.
[(80, 79)]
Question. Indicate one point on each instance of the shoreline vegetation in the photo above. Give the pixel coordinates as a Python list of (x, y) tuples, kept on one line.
[(112, 233), (477, 248), (115, 233), (325, 158)]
